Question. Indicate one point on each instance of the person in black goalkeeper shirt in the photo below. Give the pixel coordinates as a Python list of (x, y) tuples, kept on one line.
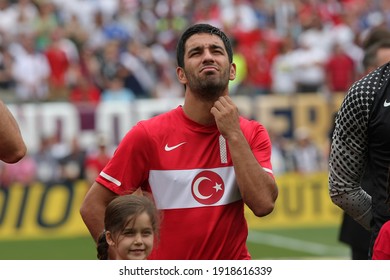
[(351, 232), (360, 149)]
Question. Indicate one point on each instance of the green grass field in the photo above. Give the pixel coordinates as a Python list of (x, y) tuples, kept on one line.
[(302, 243), (305, 243)]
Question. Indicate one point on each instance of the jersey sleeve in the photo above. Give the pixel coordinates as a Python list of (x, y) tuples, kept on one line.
[(349, 151), (127, 170), (260, 144)]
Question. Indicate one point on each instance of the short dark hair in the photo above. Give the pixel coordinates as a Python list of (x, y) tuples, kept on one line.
[(370, 56), (198, 29), (375, 35)]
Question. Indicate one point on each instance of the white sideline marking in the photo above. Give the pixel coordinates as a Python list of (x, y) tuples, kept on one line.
[(295, 244)]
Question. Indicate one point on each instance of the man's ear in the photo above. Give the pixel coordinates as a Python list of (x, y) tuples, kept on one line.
[(181, 75), (232, 75)]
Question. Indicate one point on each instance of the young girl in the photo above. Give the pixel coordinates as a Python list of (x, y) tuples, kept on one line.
[(131, 223)]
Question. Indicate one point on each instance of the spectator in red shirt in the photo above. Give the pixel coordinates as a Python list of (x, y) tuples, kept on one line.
[(83, 90), (259, 73), (59, 65), (340, 70), (96, 160)]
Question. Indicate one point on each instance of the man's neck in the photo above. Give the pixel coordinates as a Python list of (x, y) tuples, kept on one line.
[(198, 111)]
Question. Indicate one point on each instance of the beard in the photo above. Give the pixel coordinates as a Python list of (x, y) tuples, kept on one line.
[(210, 86)]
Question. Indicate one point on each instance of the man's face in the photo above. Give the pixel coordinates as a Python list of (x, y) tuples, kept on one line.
[(206, 66), (383, 56)]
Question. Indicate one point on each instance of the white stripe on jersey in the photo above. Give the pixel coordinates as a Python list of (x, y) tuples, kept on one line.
[(222, 149), (111, 179), (172, 189), (268, 170)]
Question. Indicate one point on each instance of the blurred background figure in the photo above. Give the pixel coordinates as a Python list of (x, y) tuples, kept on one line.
[(282, 69), (308, 63), (31, 70), (306, 156), (7, 83), (83, 91), (48, 167), (59, 63), (116, 91), (23, 172), (167, 85), (236, 87), (281, 162), (340, 70), (96, 159), (73, 163)]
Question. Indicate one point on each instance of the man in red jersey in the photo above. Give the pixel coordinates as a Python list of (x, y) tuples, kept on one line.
[(201, 161)]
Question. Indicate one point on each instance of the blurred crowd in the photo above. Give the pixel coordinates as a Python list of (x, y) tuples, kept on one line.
[(58, 163), (92, 51), (107, 50)]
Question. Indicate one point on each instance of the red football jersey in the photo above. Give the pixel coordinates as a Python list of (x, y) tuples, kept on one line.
[(188, 169), (381, 250)]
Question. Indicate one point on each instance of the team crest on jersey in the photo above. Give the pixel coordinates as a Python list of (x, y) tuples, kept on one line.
[(207, 187)]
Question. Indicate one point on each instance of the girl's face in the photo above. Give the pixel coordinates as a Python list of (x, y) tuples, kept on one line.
[(135, 242)]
